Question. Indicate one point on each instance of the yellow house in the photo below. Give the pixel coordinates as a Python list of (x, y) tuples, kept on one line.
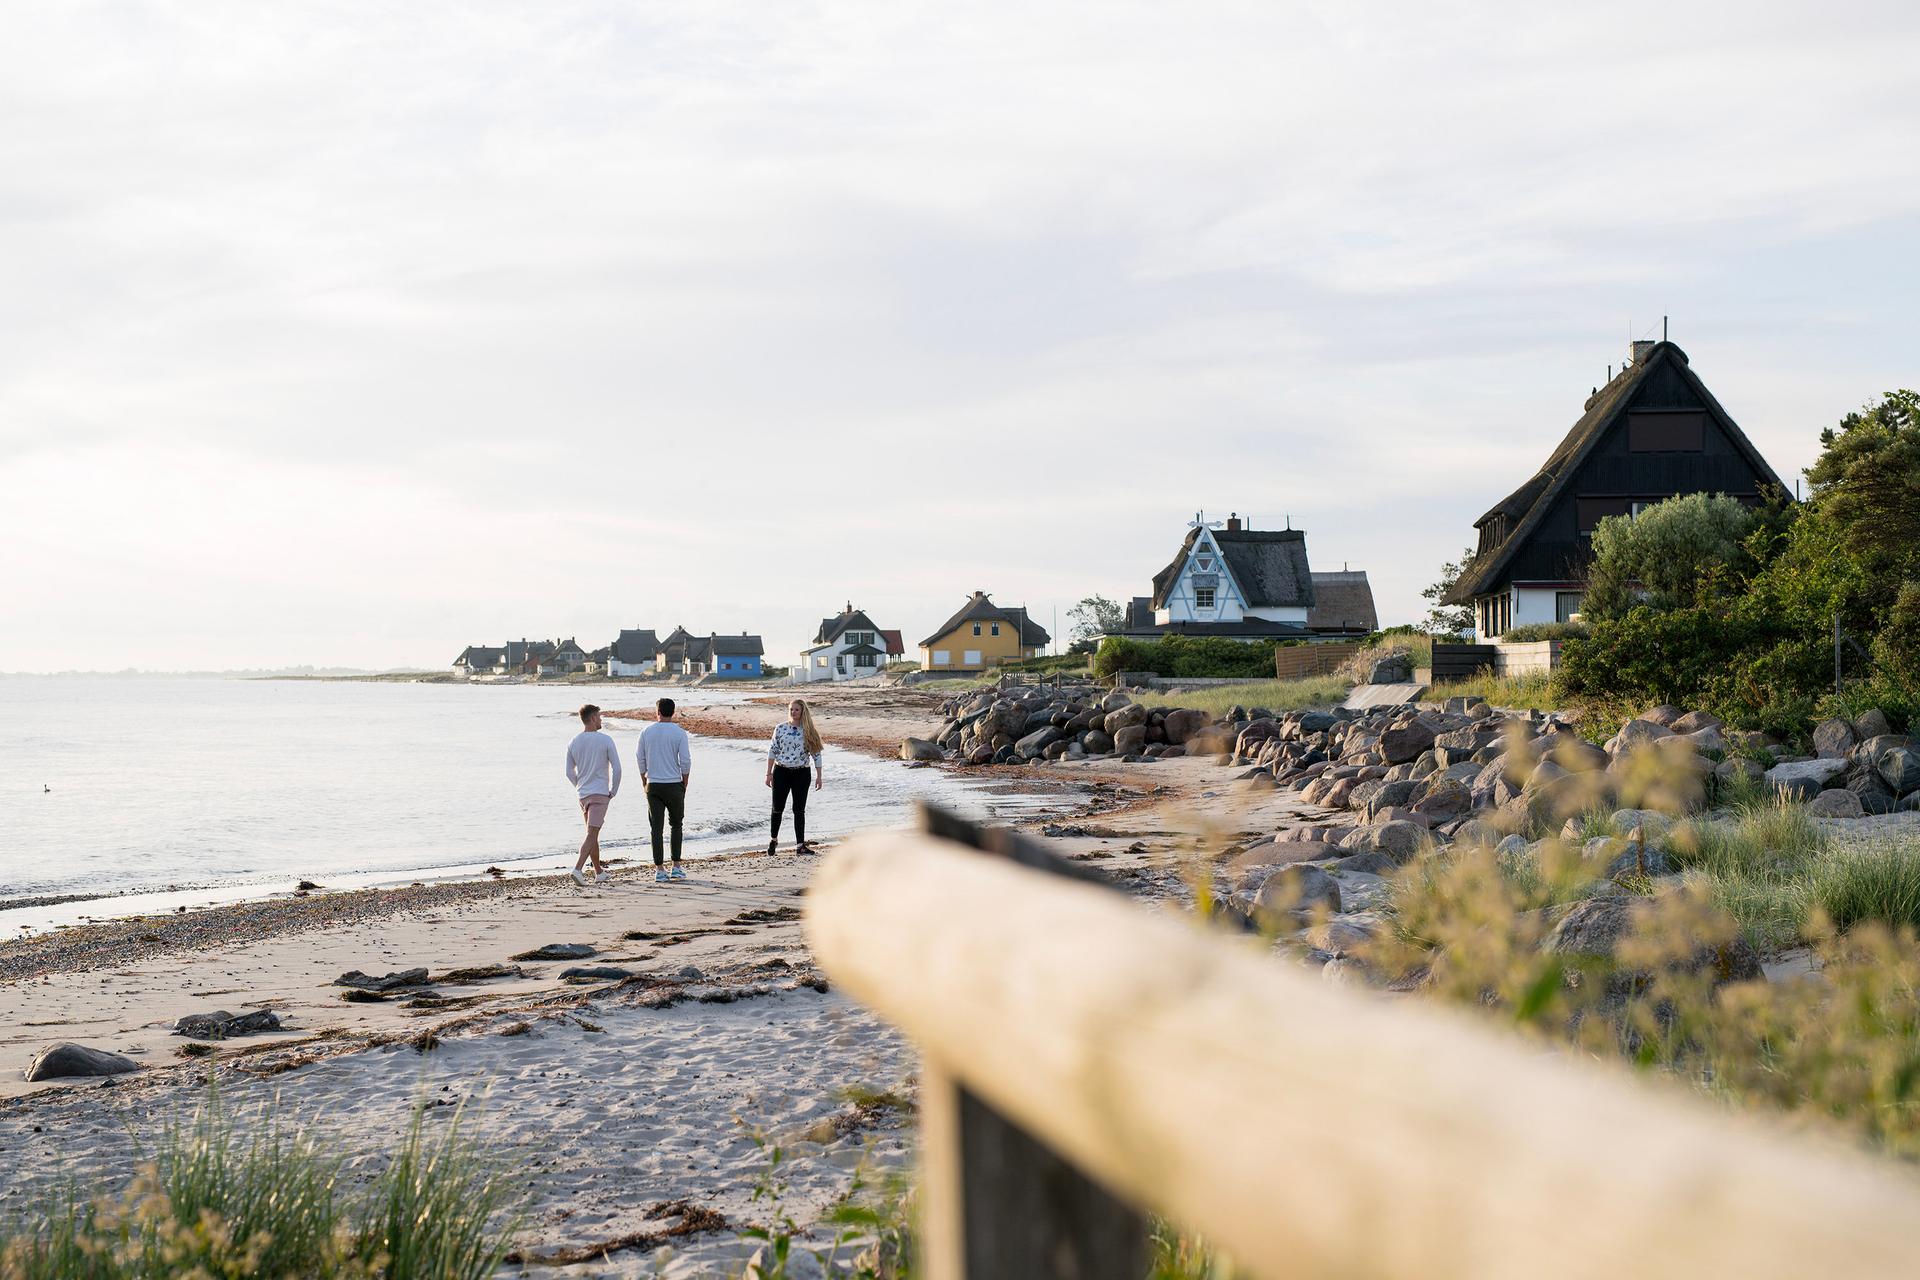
[(982, 635)]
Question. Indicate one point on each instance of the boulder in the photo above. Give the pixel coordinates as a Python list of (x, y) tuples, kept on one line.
[(1403, 743), (1653, 824), (1619, 858), (1739, 770), (1804, 779), (1836, 803), (1874, 795), (920, 749), (1124, 718), (1635, 733), (1129, 739), (1097, 742), (1282, 853), (61, 1061), (1833, 739), (1596, 926), (1182, 723), (1400, 841), (1663, 715), (1872, 724), (1299, 889), (1036, 743), (1897, 763), (1572, 753), (1393, 668), (1446, 798), (1115, 701), (1694, 721)]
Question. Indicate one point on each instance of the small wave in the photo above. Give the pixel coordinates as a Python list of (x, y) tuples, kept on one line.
[(734, 826)]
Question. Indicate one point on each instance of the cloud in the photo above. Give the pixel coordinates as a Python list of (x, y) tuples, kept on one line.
[(575, 316)]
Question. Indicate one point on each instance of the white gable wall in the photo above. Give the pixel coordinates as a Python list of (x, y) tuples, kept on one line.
[(1229, 603)]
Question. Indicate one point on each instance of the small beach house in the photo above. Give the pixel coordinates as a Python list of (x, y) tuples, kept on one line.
[(1653, 432), (734, 657), (634, 653), (1241, 583), (479, 660), (983, 634), (846, 647)]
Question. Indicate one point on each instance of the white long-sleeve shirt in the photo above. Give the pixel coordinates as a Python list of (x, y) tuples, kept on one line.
[(665, 753), (593, 764)]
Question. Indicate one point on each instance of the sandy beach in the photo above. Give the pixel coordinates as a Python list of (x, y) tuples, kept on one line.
[(617, 1094)]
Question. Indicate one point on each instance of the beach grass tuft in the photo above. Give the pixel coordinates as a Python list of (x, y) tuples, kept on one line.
[(231, 1196)]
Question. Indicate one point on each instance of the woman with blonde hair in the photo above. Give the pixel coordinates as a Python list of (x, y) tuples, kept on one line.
[(794, 743)]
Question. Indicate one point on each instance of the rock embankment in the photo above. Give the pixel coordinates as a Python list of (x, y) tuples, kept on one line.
[(1080, 722)]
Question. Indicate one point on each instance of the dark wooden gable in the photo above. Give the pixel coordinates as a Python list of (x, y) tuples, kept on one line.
[(1654, 432)]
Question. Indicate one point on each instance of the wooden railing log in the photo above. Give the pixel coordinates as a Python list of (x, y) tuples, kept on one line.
[(1309, 1129)]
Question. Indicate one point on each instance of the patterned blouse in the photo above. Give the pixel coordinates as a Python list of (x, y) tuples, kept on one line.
[(789, 747)]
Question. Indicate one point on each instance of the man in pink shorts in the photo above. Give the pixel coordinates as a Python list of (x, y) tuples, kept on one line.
[(593, 766)]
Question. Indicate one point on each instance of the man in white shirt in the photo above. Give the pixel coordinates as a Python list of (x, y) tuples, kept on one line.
[(666, 763), (593, 766)]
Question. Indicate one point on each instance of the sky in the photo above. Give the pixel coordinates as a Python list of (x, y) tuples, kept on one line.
[(356, 333)]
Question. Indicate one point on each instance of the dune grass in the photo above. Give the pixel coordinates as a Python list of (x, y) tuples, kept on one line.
[(1273, 695), (227, 1196), (1523, 693)]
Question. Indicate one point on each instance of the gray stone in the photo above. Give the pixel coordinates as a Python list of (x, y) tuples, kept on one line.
[(1836, 803), (1182, 723), (1512, 846), (559, 951), (1739, 770), (1097, 742), (1130, 739), (221, 1025), (1804, 779), (1872, 724), (1394, 668), (1833, 739), (688, 973), (1664, 715), (1898, 765), (1636, 733), (387, 982), (1125, 718), (1299, 889), (1626, 857), (594, 973), (1875, 795), (1694, 721), (62, 1061), (1654, 824), (1403, 743), (1445, 799), (1036, 743), (1596, 926), (1400, 841), (920, 749)]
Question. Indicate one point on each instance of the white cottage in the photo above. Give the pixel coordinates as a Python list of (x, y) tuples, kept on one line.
[(846, 647), (1248, 584)]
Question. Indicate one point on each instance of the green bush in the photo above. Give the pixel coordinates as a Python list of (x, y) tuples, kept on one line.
[(1187, 657), (1664, 555)]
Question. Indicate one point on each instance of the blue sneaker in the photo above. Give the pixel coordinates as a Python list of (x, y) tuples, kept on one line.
[(678, 874), (660, 874)]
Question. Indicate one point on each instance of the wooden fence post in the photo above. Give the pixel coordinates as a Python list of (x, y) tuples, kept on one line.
[(997, 1203)]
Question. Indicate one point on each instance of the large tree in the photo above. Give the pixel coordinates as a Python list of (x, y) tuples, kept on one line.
[(1449, 619), (1092, 618)]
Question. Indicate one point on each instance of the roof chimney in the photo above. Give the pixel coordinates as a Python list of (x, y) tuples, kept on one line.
[(1233, 522), (1639, 350)]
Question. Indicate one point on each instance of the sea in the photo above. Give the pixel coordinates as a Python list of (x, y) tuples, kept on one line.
[(123, 795)]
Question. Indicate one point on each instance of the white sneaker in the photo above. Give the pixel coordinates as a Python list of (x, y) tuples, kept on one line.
[(603, 878), (661, 875), (580, 877)]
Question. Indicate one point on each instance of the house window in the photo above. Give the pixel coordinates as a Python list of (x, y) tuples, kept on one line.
[(1566, 604), (996, 629), (862, 659), (976, 628), (942, 658), (1666, 432), (1591, 511), (1203, 597), (971, 658)]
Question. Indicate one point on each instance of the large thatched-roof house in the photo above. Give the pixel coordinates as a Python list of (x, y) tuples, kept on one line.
[(1653, 432)]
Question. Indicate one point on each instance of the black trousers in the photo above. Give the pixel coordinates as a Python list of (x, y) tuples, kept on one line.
[(666, 800), (791, 782)]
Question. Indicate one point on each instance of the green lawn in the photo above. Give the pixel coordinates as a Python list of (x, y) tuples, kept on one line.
[(1274, 695)]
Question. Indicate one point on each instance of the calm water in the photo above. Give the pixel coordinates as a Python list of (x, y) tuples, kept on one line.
[(204, 790)]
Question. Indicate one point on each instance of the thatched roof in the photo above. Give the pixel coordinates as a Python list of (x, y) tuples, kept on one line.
[(1524, 508), (1269, 564), (1342, 601)]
